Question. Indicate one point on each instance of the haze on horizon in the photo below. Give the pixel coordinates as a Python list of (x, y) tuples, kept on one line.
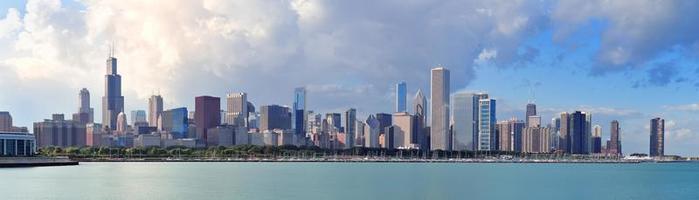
[(624, 60)]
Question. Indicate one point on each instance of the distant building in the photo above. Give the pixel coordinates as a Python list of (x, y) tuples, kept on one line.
[(657, 137), (614, 143), (138, 117), (359, 134), (531, 111), (464, 118), (389, 137), (371, 132), (510, 135), (578, 133), (84, 108), (536, 140), (237, 109), (404, 129), (59, 132), (5, 121), (401, 97), (420, 112), (175, 122), (227, 135), (155, 107), (350, 127), (207, 115), (439, 83), (147, 140), (17, 144), (113, 101), (274, 117), (122, 126), (335, 120), (298, 117), (596, 139), (487, 137)]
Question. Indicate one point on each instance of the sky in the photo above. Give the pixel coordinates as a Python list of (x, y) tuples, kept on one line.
[(626, 60)]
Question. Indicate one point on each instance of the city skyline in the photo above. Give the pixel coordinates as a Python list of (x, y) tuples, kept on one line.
[(658, 88)]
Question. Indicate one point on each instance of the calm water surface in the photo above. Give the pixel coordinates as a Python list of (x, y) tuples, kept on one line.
[(351, 181)]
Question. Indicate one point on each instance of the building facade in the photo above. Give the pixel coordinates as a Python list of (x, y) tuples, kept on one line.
[(207, 114), (59, 132), (401, 97), (350, 127), (274, 117), (614, 143), (112, 101), (155, 107), (657, 137), (17, 144), (439, 105), (487, 137)]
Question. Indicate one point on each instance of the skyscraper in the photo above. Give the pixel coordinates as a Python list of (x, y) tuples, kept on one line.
[(207, 114), (84, 99), (596, 139), (503, 130), (371, 132), (439, 96), (657, 137), (298, 117), (487, 137), (579, 139), (113, 101), (401, 97), (420, 111), (275, 117), (614, 144), (350, 127), (385, 120), (464, 117), (531, 111), (403, 129), (155, 107), (564, 133), (237, 109)]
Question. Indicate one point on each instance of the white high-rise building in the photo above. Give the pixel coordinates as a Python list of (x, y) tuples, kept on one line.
[(439, 96)]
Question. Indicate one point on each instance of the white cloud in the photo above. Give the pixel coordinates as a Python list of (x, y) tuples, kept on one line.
[(694, 107), (186, 48)]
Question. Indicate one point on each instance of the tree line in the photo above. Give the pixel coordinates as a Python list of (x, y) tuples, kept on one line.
[(286, 151)]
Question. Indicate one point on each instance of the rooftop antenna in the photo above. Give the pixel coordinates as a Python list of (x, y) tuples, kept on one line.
[(532, 95), (111, 49)]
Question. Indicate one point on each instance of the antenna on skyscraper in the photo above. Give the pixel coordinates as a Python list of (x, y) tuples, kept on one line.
[(532, 95)]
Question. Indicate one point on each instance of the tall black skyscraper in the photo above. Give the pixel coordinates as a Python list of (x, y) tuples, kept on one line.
[(657, 137), (112, 101), (578, 138), (531, 111)]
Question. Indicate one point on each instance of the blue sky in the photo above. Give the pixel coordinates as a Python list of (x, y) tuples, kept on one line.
[(624, 60)]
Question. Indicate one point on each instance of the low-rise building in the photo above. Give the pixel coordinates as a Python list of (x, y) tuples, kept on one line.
[(17, 144)]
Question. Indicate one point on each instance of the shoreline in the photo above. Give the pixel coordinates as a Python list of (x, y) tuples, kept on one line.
[(15, 162), (462, 161)]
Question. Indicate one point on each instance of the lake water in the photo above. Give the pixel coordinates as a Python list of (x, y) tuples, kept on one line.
[(277, 181)]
